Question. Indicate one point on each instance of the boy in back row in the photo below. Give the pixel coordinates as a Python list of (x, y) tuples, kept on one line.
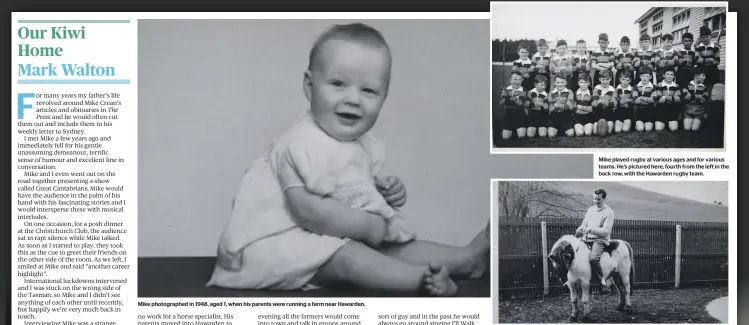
[(686, 77)]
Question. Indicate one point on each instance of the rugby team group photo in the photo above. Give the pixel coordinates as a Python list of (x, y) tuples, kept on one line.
[(667, 81)]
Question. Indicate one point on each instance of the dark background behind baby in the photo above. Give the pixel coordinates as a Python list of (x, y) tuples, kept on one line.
[(211, 103)]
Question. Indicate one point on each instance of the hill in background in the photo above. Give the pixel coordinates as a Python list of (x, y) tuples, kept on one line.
[(634, 203)]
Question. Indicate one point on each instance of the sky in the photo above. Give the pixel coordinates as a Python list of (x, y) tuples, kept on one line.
[(568, 21), (706, 192)]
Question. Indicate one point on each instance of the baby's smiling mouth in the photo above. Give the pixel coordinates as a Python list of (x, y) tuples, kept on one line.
[(348, 115)]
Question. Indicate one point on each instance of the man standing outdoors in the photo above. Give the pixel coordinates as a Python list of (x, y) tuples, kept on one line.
[(596, 230)]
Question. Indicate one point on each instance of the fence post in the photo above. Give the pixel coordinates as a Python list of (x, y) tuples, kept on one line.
[(504, 43), (677, 275), (544, 259)]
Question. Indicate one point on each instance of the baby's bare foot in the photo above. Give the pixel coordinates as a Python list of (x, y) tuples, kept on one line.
[(437, 281), (479, 253)]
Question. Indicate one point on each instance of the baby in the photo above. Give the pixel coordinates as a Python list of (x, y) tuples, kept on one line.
[(312, 211)]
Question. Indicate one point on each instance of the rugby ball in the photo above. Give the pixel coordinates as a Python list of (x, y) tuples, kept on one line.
[(602, 128)]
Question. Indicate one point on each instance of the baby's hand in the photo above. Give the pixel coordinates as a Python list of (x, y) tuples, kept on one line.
[(392, 189), (399, 231)]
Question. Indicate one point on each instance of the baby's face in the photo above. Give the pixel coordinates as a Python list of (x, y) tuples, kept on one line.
[(347, 87)]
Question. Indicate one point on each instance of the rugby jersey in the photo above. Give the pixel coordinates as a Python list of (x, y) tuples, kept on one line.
[(697, 90), (602, 57), (687, 58), (664, 56), (559, 61), (580, 61), (537, 99), (599, 92), (706, 51), (510, 92), (627, 92), (646, 57), (621, 57), (583, 98), (542, 62), (561, 96), (668, 89), (645, 90), (524, 66)]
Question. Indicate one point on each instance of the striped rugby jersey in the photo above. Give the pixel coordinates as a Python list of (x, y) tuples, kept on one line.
[(579, 61), (628, 92), (562, 61), (687, 58), (647, 90), (524, 66), (510, 92), (622, 57), (538, 99), (542, 62), (706, 51), (647, 58), (666, 55), (561, 96), (668, 88), (583, 97), (599, 92), (602, 56), (698, 92)]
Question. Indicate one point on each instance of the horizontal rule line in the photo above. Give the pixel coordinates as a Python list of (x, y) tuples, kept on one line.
[(74, 81), (74, 21)]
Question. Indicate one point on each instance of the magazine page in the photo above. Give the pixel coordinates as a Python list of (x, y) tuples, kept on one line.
[(651, 236), (333, 169)]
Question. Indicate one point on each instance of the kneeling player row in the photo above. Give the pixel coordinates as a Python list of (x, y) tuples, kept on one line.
[(645, 103)]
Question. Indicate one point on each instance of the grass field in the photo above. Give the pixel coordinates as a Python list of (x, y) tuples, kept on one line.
[(650, 306), (708, 137), (634, 203)]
